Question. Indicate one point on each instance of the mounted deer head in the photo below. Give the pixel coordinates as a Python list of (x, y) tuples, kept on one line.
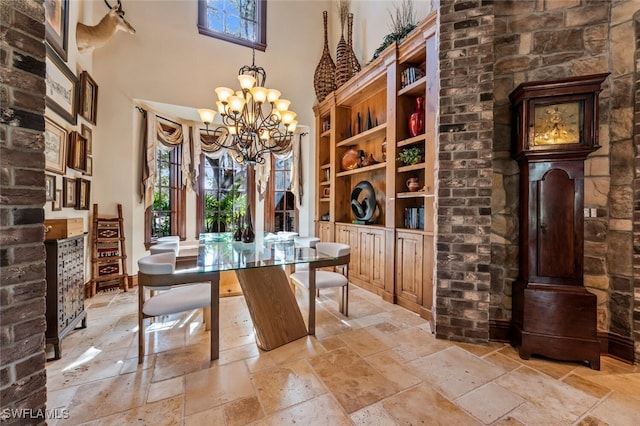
[(89, 38)]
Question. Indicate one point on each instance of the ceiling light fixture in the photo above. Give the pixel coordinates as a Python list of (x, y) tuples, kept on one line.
[(255, 121)]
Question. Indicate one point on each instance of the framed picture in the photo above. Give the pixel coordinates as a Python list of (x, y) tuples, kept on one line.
[(83, 186), (62, 87), (50, 187), (89, 171), (88, 97), (77, 158), (56, 18), (88, 135), (55, 147), (56, 203), (68, 192)]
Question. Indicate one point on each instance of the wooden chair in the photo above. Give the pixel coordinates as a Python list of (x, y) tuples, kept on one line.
[(339, 277), (174, 299)]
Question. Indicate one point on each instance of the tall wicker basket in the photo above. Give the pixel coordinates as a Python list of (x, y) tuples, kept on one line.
[(343, 59), (354, 64), (324, 77)]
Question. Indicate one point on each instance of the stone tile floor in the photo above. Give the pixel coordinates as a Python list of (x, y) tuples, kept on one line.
[(379, 366)]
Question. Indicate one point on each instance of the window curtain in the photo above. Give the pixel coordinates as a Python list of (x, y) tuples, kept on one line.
[(263, 171), (173, 135)]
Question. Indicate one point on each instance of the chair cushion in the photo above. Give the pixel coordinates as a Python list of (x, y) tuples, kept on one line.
[(165, 248), (178, 299), (324, 279), (158, 264), (306, 241), (333, 249)]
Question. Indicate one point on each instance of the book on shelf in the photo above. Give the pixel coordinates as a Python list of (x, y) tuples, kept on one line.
[(414, 217), (410, 76)]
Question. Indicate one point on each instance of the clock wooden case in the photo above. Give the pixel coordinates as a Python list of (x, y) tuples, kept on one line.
[(555, 128)]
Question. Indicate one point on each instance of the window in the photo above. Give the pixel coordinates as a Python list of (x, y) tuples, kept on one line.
[(164, 217), (281, 213), (222, 198), (237, 21)]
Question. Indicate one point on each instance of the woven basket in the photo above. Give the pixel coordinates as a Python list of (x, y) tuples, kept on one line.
[(325, 74), (353, 61)]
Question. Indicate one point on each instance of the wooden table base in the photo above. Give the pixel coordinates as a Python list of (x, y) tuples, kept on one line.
[(274, 311)]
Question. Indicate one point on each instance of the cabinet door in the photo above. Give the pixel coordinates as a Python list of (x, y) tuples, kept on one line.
[(324, 231), (371, 262), (409, 267), (346, 234)]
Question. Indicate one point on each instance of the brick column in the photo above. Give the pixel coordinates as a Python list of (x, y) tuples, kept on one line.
[(22, 196), (465, 170)]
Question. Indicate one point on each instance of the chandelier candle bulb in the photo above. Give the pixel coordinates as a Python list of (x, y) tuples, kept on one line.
[(223, 93), (246, 81), (273, 95), (236, 103), (206, 115), (259, 94), (287, 117), (220, 106), (282, 104)]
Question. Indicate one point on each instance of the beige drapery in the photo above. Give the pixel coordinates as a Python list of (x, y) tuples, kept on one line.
[(177, 133)]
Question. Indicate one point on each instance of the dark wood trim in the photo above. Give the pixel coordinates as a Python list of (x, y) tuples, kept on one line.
[(611, 345)]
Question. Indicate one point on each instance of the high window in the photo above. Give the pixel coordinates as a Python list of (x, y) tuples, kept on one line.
[(281, 213), (164, 217), (222, 195), (238, 21)]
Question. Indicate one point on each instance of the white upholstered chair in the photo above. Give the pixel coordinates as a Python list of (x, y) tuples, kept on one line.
[(339, 277), (174, 299)]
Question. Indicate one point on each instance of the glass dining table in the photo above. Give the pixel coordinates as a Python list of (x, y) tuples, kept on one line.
[(260, 268)]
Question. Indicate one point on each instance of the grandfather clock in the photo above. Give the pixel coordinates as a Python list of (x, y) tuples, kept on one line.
[(555, 127)]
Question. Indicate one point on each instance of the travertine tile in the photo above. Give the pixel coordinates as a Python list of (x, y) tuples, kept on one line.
[(181, 361), (212, 416), (241, 411), (619, 409), (363, 342), (502, 361), (163, 413), (166, 389), (489, 402), (353, 382), (387, 364), (422, 404), (373, 415), (454, 372), (322, 410), (414, 342), (548, 401), (553, 368), (590, 387), (294, 351), (287, 385), (215, 386)]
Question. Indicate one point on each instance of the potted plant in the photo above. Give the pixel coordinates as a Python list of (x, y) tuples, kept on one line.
[(410, 156)]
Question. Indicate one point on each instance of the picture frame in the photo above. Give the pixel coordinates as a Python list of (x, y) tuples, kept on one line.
[(61, 87), (87, 132), (77, 157), (68, 192), (55, 147), (89, 171), (88, 97), (50, 187), (56, 204), (83, 188), (56, 18)]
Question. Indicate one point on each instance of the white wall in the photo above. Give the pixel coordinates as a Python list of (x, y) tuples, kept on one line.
[(168, 61)]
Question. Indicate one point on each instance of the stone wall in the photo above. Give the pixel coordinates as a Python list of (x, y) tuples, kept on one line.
[(544, 40), (22, 196), (465, 170)]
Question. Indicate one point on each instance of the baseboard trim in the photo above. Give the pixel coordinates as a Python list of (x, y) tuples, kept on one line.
[(612, 345)]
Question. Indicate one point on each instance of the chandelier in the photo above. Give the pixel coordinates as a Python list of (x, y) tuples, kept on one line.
[(255, 121)]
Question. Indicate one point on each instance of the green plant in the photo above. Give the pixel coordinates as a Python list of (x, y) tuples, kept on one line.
[(401, 25), (410, 155)]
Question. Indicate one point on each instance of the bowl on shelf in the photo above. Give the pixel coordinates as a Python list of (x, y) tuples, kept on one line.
[(351, 159)]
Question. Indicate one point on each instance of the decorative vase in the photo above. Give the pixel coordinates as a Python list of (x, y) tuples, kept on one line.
[(350, 159), (237, 236), (354, 65), (416, 120), (413, 184), (343, 64), (369, 161), (324, 78), (358, 124), (248, 235)]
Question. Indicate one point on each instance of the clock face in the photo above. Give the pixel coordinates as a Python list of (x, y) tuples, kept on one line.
[(557, 124)]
